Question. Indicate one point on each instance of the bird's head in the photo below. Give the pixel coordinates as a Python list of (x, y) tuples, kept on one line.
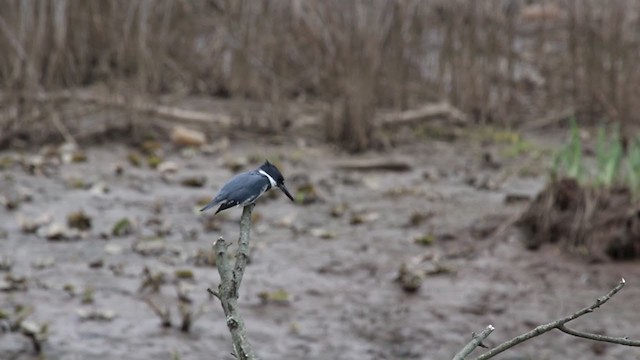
[(275, 174)]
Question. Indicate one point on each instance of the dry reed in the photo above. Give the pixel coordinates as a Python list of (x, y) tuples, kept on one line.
[(501, 61)]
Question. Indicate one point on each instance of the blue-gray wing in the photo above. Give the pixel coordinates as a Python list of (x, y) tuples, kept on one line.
[(242, 189)]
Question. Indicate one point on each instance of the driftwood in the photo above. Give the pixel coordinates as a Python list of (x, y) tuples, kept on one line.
[(426, 112), (549, 120), (137, 105), (379, 164), (117, 101)]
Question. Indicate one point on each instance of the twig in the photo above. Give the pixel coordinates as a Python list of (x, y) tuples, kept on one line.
[(474, 343), (559, 324), (230, 279), (596, 337), (163, 313)]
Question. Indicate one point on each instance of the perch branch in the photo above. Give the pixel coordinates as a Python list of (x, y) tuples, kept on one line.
[(559, 324), (230, 279), (474, 343)]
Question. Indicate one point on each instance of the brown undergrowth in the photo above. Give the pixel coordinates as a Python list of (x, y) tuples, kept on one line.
[(598, 223)]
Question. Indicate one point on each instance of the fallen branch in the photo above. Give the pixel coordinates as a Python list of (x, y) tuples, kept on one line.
[(558, 324), (230, 279), (380, 164), (137, 105), (423, 113), (549, 120)]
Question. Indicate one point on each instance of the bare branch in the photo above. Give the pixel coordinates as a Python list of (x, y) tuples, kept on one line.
[(474, 343), (558, 324), (597, 337), (230, 279)]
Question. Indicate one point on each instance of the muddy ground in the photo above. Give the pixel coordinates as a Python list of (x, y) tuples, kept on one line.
[(321, 282)]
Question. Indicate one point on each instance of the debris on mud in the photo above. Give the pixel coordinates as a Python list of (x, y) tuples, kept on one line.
[(594, 222), (58, 232), (43, 263), (183, 136), (79, 220), (15, 320), (150, 247), (425, 239), (135, 159), (154, 161), (167, 167), (162, 312), (338, 210), (364, 217), (152, 280), (12, 283), (184, 274), (113, 249), (123, 227), (237, 163), (410, 277), (417, 218), (276, 297), (29, 226), (381, 164), (96, 314), (322, 233), (306, 194), (160, 226), (96, 263), (210, 223), (6, 263), (188, 312), (9, 202), (88, 295), (37, 333), (197, 181), (204, 258)]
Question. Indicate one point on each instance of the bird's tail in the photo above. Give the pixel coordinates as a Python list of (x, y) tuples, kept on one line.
[(209, 205)]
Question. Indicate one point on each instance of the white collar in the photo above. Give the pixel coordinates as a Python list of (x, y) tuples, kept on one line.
[(273, 182)]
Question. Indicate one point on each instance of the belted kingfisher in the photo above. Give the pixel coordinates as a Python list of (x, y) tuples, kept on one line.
[(244, 189)]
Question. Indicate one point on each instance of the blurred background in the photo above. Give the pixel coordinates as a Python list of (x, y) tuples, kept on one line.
[(454, 164)]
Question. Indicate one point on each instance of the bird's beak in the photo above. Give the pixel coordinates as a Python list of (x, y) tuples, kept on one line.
[(286, 192)]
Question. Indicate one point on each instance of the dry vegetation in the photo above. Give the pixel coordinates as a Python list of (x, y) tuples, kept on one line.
[(505, 62)]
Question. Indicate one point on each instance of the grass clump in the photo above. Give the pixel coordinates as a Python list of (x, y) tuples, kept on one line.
[(613, 165)]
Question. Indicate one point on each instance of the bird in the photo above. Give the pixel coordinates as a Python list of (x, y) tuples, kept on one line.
[(245, 188)]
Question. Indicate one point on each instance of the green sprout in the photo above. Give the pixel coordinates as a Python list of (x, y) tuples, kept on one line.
[(609, 155)]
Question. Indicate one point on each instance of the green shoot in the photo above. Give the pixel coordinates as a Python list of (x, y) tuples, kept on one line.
[(633, 166), (609, 157)]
